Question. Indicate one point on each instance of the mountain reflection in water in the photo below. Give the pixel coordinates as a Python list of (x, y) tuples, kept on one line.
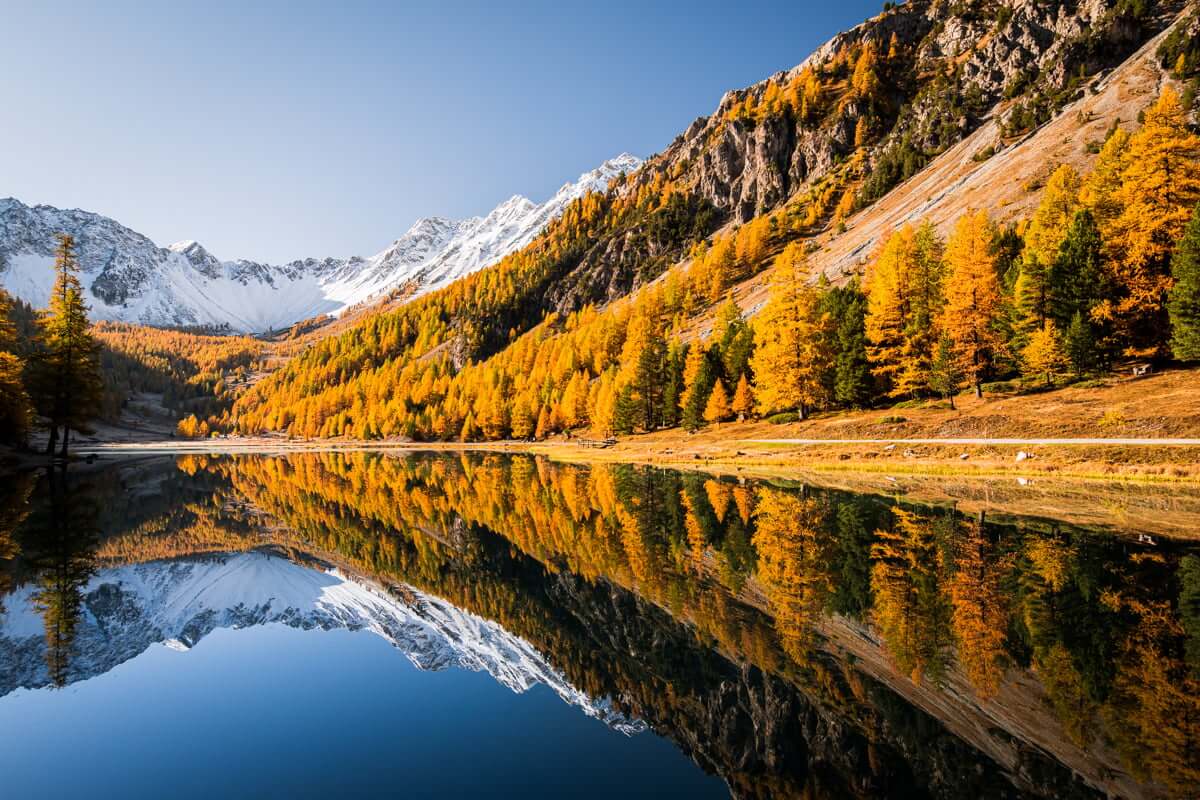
[(793, 641)]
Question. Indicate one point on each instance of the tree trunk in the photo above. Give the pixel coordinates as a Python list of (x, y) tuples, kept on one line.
[(65, 440), (950, 397), (978, 390), (802, 412), (52, 441)]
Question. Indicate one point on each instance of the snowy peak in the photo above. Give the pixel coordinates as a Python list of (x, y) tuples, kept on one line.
[(599, 178), (204, 262), (130, 278), (177, 603)]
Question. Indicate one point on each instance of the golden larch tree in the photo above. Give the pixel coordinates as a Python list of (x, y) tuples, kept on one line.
[(1159, 187), (1043, 356), (972, 298), (792, 341), (717, 408), (743, 398)]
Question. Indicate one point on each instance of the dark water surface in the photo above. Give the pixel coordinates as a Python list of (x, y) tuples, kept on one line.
[(338, 624)]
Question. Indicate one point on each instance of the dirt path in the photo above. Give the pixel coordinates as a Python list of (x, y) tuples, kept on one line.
[(236, 445)]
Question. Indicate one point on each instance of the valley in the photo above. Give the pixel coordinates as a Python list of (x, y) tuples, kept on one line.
[(847, 445), (642, 302)]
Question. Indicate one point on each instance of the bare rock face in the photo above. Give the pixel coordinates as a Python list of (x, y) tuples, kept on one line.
[(942, 70), (959, 64)]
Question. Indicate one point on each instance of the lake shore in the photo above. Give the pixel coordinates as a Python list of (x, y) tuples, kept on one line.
[(1080, 484), (1175, 460)]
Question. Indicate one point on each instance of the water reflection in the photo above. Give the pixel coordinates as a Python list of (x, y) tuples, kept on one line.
[(793, 640)]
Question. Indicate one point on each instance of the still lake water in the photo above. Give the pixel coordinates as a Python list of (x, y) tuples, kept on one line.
[(491, 626)]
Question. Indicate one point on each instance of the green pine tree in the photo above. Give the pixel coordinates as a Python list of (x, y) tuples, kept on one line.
[(1184, 303), (673, 384), (736, 342), (1079, 345), (1077, 279), (695, 396), (852, 381), (945, 377)]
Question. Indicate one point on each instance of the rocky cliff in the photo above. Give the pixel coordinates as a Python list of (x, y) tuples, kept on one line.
[(938, 70)]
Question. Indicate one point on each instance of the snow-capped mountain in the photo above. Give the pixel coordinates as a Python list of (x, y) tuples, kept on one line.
[(130, 278), (178, 602)]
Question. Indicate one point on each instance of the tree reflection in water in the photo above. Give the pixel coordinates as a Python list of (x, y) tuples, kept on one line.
[(794, 640), (61, 540)]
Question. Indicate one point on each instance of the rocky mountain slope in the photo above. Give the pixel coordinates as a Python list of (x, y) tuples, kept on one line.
[(130, 278), (862, 115), (986, 169), (179, 602), (936, 72)]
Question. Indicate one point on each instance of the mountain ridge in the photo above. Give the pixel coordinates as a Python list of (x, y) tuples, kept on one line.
[(129, 278)]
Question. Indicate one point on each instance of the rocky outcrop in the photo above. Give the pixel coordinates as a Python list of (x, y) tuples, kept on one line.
[(956, 65)]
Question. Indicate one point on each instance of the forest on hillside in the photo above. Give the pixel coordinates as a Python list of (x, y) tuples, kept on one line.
[(621, 316), (1104, 271)]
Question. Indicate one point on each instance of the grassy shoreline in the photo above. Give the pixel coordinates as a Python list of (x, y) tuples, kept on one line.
[(1167, 464)]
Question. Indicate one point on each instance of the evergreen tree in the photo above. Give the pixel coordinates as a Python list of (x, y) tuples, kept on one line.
[(1079, 283), (1077, 278), (944, 375), (1184, 304), (736, 340), (698, 377), (67, 383), (1008, 246), (847, 307), (972, 298), (673, 384), (1079, 345), (640, 378), (1033, 292), (926, 300)]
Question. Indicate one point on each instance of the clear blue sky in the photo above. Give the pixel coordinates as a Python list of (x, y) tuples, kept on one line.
[(311, 129)]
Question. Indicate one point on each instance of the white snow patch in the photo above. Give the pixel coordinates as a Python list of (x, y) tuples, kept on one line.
[(129, 278)]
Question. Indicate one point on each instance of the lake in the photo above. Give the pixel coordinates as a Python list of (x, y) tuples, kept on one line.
[(490, 625)]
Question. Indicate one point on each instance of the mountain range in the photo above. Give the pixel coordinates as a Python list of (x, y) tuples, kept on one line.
[(129, 278)]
